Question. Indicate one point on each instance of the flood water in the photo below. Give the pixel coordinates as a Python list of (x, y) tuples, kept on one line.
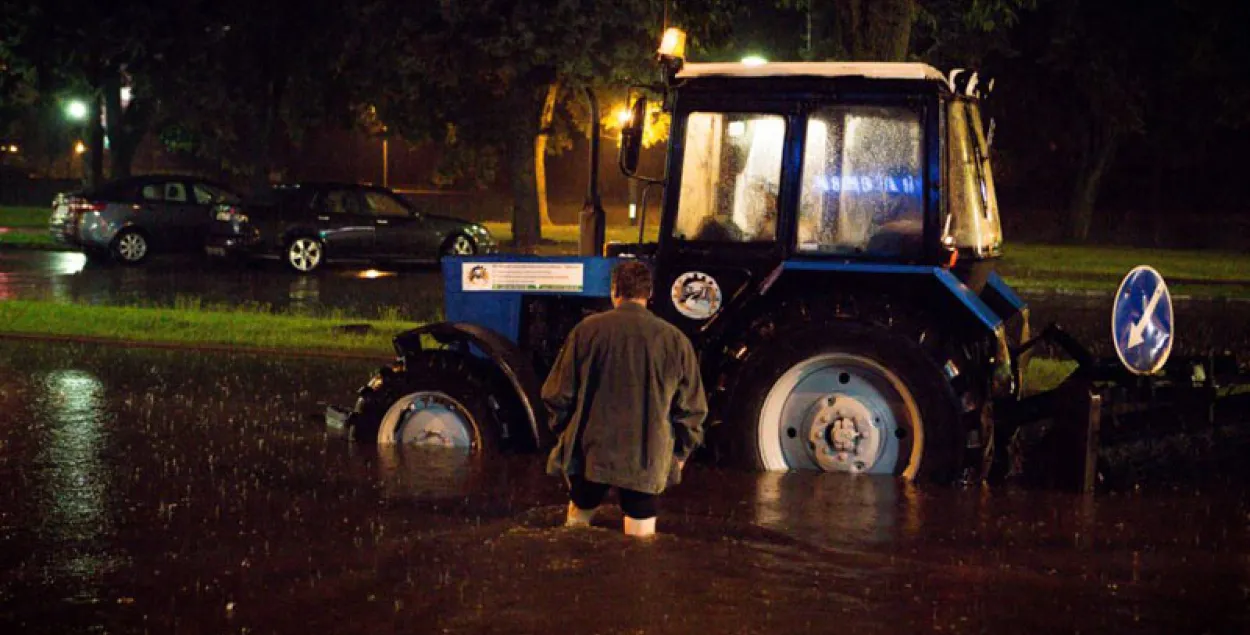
[(162, 492)]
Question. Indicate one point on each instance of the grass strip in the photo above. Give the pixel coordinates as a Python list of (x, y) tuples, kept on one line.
[(29, 240), (193, 325), (1030, 261), (25, 217), (1044, 374)]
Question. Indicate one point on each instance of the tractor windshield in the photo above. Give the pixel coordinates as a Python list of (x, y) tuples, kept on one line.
[(730, 176), (862, 189), (972, 222)]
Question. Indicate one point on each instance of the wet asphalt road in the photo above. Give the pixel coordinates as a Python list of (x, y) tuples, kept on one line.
[(153, 491), (416, 292)]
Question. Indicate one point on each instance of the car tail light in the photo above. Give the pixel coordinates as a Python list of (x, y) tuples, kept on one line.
[(82, 206), (231, 214)]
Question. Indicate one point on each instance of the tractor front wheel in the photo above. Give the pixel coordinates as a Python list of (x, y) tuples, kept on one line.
[(439, 399), (848, 398)]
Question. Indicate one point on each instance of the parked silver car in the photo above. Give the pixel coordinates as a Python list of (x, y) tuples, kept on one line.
[(129, 219)]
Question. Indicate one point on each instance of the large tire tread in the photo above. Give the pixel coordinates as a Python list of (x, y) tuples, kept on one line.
[(474, 383), (906, 342)]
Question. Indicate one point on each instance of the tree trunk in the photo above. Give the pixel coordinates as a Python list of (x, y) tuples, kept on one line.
[(526, 222), (874, 30), (1095, 159), (95, 143), (126, 128), (540, 151)]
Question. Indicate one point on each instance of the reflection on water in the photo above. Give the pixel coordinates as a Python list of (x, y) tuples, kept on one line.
[(67, 263), (425, 471), (856, 510), (74, 477)]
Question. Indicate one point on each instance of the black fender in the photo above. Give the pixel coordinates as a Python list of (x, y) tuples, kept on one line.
[(502, 352)]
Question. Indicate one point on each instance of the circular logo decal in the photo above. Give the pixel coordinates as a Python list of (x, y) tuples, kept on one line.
[(696, 295), (476, 277)]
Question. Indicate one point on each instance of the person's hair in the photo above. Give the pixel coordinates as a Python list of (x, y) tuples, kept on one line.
[(631, 280)]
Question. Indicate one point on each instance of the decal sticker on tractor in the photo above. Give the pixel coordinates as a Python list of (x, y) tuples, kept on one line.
[(696, 295), (522, 276)]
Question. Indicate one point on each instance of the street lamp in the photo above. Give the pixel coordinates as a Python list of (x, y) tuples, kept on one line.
[(76, 110)]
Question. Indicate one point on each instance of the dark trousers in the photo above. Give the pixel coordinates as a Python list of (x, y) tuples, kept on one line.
[(589, 495)]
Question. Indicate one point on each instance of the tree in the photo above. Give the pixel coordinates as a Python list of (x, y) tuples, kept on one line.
[(895, 30), (91, 52), (492, 75), (255, 78)]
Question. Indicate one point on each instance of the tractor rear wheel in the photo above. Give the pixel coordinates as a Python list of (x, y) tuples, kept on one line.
[(440, 399), (847, 398)]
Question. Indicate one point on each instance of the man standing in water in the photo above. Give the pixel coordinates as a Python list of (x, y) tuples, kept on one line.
[(627, 402)]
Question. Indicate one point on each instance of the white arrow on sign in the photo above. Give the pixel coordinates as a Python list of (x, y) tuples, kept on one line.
[(1135, 331)]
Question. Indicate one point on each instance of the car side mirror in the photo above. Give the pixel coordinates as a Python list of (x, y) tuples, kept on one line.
[(631, 137)]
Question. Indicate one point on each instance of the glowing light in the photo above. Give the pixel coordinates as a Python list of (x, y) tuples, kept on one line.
[(753, 60), (13, 149), (624, 116), (737, 128), (673, 44), (633, 211), (371, 274), (80, 147), (76, 110), (127, 94)]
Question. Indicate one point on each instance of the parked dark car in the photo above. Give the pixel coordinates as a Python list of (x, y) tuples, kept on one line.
[(129, 219), (308, 224)]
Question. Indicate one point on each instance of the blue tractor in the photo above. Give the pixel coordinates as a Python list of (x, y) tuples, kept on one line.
[(827, 240)]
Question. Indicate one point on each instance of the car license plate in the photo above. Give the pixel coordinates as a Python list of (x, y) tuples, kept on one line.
[(215, 251)]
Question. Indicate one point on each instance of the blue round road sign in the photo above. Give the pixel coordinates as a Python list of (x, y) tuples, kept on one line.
[(1141, 321)]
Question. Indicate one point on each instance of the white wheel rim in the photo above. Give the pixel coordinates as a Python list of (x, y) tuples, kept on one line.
[(839, 412), (462, 246), (304, 254), (428, 418), (132, 247)]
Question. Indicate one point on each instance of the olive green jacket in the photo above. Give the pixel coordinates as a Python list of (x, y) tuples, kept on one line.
[(626, 401)]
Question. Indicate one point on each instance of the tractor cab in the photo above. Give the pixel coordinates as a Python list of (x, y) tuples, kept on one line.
[(863, 164)]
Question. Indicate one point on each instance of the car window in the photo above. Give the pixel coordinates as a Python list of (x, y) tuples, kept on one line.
[(175, 192), (206, 194), (382, 204), (153, 192), (340, 202)]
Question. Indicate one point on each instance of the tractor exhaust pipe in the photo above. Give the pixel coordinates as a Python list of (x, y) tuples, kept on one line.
[(592, 219)]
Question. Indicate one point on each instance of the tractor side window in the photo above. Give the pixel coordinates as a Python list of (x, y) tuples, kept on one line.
[(861, 191), (730, 176), (972, 222)]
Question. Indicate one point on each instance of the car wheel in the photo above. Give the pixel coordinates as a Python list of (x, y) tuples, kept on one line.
[(305, 254), (130, 247), (459, 245)]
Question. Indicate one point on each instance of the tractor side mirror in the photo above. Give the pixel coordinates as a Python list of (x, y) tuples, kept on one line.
[(631, 137)]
